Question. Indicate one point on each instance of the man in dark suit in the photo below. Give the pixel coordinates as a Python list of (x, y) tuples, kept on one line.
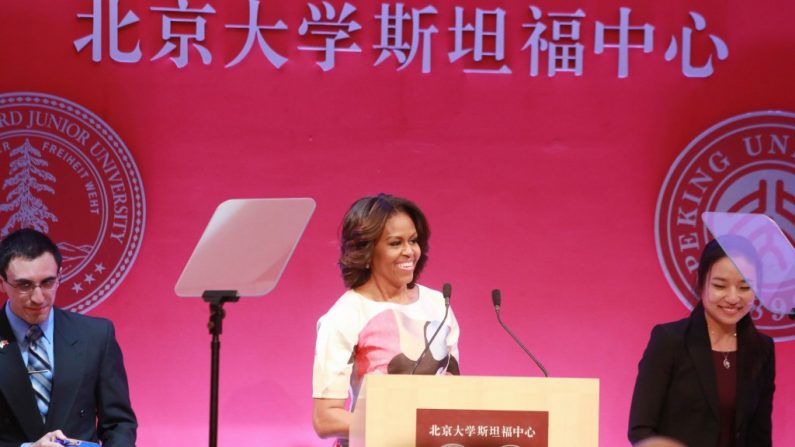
[(61, 373)]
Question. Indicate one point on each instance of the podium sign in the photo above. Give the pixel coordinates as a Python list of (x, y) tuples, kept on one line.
[(420, 411), (482, 428)]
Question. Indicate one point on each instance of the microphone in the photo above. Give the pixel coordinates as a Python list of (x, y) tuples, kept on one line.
[(496, 299), (446, 292)]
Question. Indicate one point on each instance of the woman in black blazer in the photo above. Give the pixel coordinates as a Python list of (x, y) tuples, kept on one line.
[(708, 380)]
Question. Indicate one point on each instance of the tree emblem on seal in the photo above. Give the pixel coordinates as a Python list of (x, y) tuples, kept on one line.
[(68, 174), (27, 177)]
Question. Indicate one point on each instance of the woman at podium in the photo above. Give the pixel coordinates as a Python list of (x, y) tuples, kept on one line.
[(708, 380), (384, 320)]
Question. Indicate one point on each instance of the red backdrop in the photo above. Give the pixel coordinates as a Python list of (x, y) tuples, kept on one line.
[(544, 186)]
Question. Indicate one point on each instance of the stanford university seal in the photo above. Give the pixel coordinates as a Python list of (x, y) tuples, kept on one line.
[(66, 173), (745, 164)]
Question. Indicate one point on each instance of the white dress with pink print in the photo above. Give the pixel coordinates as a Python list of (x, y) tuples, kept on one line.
[(359, 336)]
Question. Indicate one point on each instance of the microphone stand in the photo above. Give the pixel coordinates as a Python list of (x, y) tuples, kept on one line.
[(446, 292), (496, 300)]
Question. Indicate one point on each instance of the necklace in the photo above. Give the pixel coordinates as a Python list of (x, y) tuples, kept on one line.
[(726, 363), (713, 338)]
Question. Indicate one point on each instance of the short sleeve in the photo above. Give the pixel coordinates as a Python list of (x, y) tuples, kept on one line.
[(333, 364)]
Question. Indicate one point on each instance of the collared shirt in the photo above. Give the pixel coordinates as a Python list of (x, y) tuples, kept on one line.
[(20, 329)]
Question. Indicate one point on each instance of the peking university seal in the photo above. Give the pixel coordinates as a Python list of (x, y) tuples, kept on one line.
[(66, 173), (745, 164)]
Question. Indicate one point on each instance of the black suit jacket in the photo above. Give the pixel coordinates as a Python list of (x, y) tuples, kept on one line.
[(676, 393), (90, 398)]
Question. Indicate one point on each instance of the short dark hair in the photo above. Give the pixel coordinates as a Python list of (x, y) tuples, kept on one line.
[(26, 243), (715, 250), (362, 227)]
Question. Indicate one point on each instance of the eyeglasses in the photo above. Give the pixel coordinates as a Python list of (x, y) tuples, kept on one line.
[(27, 287)]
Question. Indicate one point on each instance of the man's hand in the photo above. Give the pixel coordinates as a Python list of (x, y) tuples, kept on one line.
[(48, 440)]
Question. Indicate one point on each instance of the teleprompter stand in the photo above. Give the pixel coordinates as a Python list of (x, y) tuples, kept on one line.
[(216, 298), (242, 252)]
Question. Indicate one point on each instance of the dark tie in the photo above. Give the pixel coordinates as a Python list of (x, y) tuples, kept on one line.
[(39, 369)]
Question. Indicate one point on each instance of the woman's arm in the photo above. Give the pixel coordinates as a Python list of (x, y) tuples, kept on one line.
[(651, 386), (337, 333), (330, 418), (760, 431)]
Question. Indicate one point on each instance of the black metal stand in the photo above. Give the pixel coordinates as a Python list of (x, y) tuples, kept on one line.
[(792, 314), (216, 298)]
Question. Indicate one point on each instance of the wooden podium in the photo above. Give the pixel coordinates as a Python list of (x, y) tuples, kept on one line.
[(386, 413)]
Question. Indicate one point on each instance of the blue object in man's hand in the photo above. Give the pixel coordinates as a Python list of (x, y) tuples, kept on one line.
[(76, 443)]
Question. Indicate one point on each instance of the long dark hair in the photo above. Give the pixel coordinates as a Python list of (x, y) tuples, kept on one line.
[(747, 334)]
